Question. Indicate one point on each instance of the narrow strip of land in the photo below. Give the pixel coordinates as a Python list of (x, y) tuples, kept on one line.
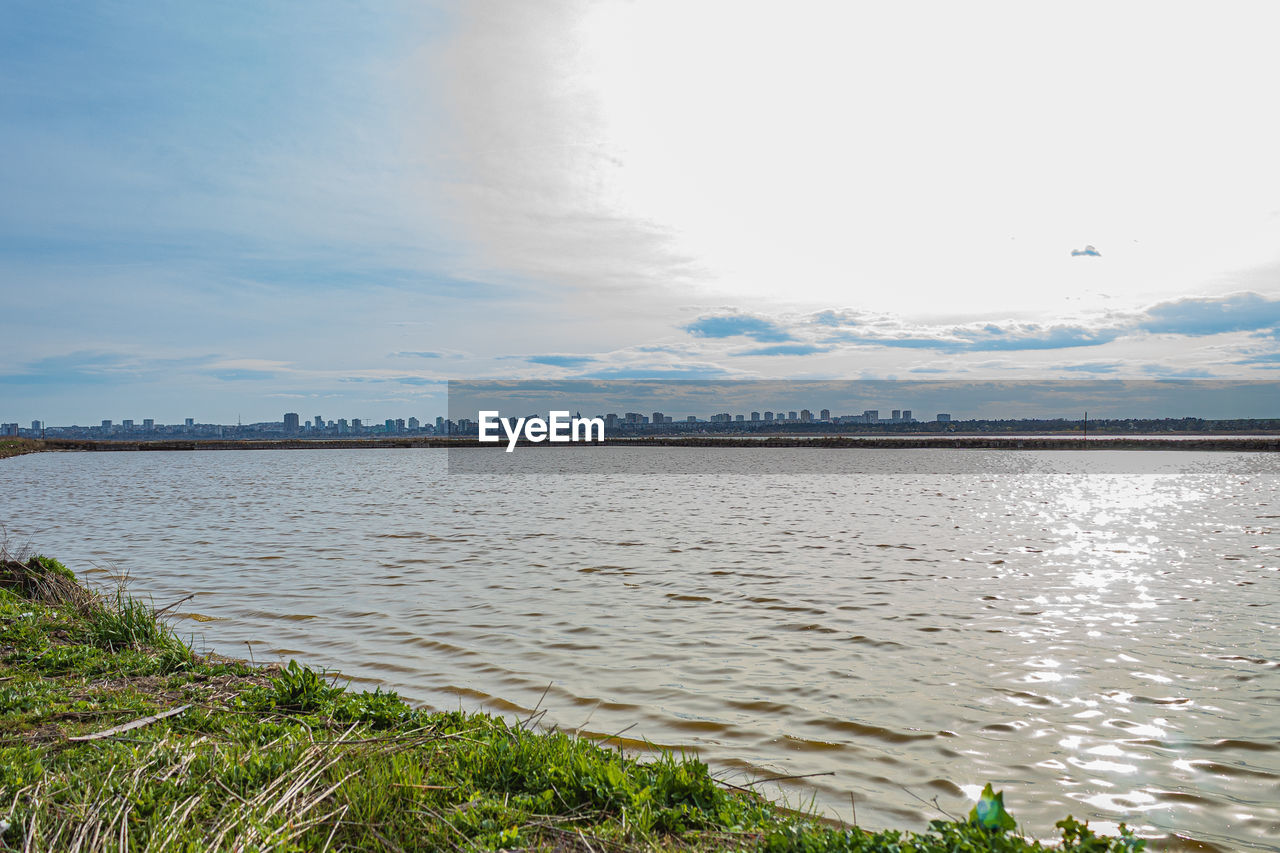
[(1252, 444), (19, 446)]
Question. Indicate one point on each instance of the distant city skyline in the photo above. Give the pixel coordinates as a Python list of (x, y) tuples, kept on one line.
[(632, 403)]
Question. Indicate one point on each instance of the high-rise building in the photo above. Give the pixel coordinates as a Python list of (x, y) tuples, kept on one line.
[(399, 424), (791, 416), (657, 418), (343, 429), (896, 415), (192, 421), (413, 423), (806, 416), (439, 426), (356, 425), (825, 415), (906, 415), (738, 418), (768, 416), (872, 416), (291, 423), (755, 416), (318, 421), (106, 425), (692, 419), (149, 424), (8, 429), (943, 418), (126, 424), (36, 426)]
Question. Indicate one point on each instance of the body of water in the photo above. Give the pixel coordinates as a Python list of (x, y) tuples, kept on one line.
[(1100, 639)]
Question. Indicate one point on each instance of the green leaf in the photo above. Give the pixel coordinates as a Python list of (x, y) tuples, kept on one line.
[(989, 813)]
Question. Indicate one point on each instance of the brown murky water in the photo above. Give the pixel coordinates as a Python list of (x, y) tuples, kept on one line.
[(1100, 642)]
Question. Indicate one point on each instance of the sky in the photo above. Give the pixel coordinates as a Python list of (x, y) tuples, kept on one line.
[(230, 210)]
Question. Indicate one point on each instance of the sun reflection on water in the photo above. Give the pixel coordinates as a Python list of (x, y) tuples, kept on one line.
[(1105, 580)]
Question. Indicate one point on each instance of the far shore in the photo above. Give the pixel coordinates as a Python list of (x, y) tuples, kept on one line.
[(1183, 441)]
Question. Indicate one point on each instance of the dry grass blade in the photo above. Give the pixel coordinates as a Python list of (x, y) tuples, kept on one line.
[(386, 842), (34, 582), (130, 726), (288, 797)]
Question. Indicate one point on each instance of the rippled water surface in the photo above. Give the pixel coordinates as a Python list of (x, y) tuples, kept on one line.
[(1090, 639)]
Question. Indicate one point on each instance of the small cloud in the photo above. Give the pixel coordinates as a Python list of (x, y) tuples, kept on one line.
[(1165, 371), (85, 367), (990, 338), (560, 360), (1087, 251), (692, 371), (785, 349), (243, 375), (1267, 359), (246, 369), (829, 318), (844, 317), (418, 354), (1239, 312), (734, 325), (1091, 368), (80, 367)]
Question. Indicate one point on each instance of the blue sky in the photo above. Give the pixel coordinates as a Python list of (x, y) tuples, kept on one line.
[(235, 210)]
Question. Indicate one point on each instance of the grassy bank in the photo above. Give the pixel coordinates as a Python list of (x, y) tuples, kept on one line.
[(114, 735), (19, 446)]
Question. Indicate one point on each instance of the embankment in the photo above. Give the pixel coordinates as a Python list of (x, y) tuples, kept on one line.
[(18, 446), (956, 442)]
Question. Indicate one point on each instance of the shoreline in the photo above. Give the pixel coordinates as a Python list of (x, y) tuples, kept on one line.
[(116, 735), (20, 446), (17, 447)]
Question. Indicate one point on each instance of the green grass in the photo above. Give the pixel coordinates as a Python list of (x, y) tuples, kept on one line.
[(18, 446), (284, 759)]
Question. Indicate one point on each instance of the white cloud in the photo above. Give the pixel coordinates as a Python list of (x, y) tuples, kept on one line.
[(913, 157)]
